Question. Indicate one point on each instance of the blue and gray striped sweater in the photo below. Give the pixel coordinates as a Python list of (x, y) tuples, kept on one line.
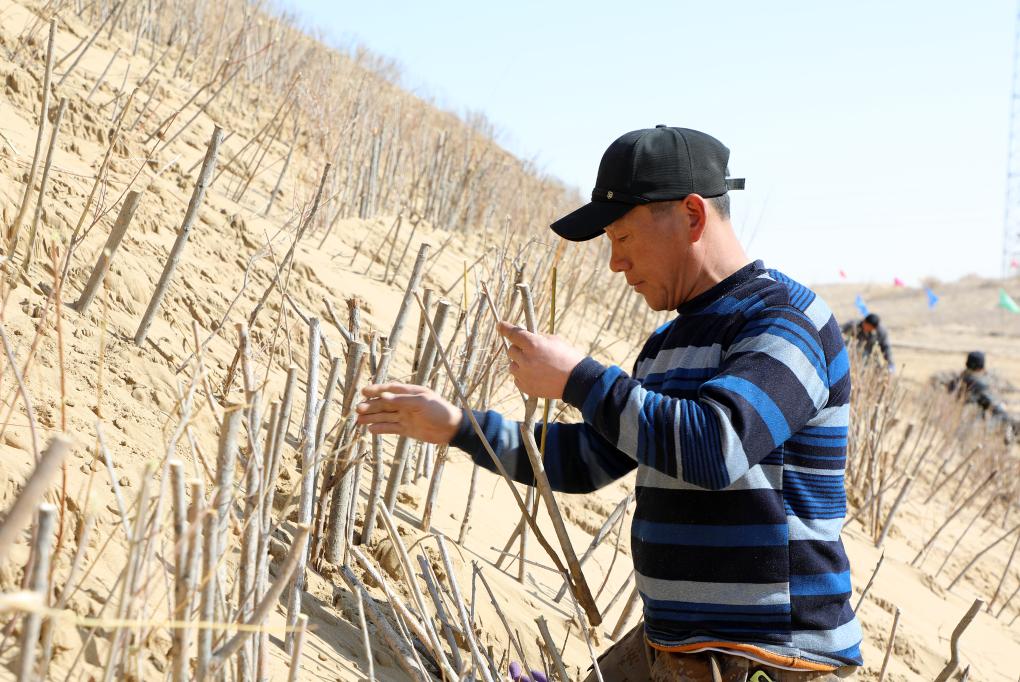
[(736, 420)]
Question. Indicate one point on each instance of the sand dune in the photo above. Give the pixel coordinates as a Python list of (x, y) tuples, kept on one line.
[(85, 375)]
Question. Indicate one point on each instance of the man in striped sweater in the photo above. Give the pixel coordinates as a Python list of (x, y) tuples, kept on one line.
[(735, 417)]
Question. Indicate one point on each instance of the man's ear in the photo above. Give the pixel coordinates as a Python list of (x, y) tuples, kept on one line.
[(695, 214)]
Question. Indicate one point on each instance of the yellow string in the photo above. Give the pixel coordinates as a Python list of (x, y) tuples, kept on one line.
[(31, 602)]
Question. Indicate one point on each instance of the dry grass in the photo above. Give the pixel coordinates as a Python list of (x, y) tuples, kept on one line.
[(259, 481)]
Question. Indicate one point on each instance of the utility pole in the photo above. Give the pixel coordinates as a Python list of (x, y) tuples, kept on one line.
[(1011, 224)]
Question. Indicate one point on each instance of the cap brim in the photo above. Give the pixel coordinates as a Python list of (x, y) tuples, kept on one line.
[(590, 220)]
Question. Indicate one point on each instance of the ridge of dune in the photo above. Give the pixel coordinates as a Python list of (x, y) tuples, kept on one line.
[(403, 174)]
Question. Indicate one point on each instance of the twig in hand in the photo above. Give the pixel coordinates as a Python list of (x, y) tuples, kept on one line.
[(577, 582), (400, 456), (492, 454)]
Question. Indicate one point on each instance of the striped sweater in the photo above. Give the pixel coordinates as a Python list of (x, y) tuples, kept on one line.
[(736, 420)]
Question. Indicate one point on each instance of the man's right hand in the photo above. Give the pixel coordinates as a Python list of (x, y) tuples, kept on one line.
[(408, 410)]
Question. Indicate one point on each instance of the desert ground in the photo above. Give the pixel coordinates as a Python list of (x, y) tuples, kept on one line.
[(301, 252)]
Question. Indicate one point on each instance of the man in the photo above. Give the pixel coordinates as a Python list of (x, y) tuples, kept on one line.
[(868, 333), (973, 384), (735, 418)]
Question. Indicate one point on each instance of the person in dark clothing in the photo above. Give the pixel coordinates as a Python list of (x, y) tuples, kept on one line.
[(973, 384), (868, 333)]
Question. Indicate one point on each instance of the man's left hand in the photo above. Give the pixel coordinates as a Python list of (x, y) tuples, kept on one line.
[(539, 363)]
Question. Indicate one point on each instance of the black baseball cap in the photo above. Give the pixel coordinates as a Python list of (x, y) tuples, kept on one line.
[(975, 360), (648, 165)]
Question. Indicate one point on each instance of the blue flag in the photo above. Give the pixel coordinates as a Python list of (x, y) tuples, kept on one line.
[(932, 298), (861, 306)]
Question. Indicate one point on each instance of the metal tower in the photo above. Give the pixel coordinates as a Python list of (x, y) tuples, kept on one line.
[(1011, 226)]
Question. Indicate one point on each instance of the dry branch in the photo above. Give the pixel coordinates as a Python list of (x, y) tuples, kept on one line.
[(421, 628), (1005, 572), (550, 646), (21, 511), (309, 466), (495, 458), (112, 16), (208, 166), (632, 606), (12, 233), (404, 443), (892, 511), (417, 272), (954, 652), (394, 641), (889, 646), (120, 227), (34, 230), (448, 629), (963, 505), (981, 553), (465, 621), (39, 583), (269, 600), (577, 582), (874, 573), (607, 526), (366, 639)]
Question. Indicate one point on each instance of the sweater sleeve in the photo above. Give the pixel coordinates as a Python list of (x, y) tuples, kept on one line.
[(773, 379), (578, 459)]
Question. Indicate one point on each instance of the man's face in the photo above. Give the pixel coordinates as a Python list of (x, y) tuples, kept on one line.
[(868, 328), (653, 251)]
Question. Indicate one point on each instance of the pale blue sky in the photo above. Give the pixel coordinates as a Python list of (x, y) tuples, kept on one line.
[(872, 134)]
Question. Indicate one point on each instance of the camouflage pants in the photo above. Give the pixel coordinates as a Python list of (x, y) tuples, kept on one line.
[(632, 660)]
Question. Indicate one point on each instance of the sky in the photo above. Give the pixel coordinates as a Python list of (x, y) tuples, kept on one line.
[(873, 135)]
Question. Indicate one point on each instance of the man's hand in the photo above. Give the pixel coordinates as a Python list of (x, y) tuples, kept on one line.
[(540, 363), (408, 410)]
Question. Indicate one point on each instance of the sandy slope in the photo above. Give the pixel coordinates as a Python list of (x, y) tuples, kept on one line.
[(139, 388)]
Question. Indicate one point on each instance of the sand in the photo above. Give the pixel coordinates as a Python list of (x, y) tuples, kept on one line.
[(130, 392)]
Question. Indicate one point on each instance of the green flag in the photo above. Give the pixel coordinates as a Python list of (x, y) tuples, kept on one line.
[(1006, 302)]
